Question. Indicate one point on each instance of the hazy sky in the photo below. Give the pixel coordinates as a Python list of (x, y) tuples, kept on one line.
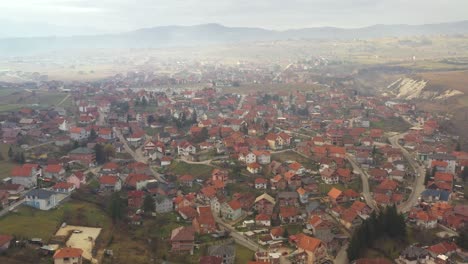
[(69, 17)]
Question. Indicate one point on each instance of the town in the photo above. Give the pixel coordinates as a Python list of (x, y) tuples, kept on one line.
[(199, 169)]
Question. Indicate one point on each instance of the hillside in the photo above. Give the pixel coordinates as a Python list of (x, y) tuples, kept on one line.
[(177, 36)]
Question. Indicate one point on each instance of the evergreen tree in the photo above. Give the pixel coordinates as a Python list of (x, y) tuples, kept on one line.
[(427, 177), (100, 154), (464, 174), (462, 239), (92, 135), (10, 153), (148, 204), (116, 207), (458, 147)]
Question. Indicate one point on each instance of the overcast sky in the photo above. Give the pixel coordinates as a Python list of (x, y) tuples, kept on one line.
[(71, 17)]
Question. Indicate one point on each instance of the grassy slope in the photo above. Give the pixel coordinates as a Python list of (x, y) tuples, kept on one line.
[(29, 222), (5, 164)]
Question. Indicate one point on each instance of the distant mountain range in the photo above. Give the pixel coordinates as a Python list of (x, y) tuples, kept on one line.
[(173, 36)]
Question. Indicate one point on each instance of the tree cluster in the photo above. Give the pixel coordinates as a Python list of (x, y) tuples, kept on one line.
[(389, 224), (104, 153)]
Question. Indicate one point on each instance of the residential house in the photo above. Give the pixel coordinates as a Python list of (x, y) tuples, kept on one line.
[(163, 204), (4, 198), (321, 228), (313, 250), (277, 233), (79, 133), (85, 156), (288, 199), (432, 196), (329, 176), (183, 240), (335, 195), (110, 183), (41, 199), (204, 222), (5, 241), (289, 215), (137, 181), (186, 180), (68, 255), (261, 183), (264, 204), (77, 178), (210, 260), (64, 187), (225, 251), (425, 220), (54, 171), (263, 156), (231, 210), (26, 175), (442, 248), (263, 220), (254, 168), (437, 159), (303, 195), (414, 255), (185, 148), (135, 199)]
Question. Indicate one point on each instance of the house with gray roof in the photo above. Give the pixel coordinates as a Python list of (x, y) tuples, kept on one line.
[(41, 199), (225, 251)]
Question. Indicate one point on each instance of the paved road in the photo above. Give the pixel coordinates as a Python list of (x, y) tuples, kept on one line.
[(365, 182), (40, 145), (239, 238), (342, 256), (7, 209), (418, 184), (241, 102), (138, 156), (63, 100)]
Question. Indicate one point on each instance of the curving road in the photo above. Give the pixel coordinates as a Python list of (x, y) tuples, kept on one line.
[(365, 182), (138, 156), (420, 172)]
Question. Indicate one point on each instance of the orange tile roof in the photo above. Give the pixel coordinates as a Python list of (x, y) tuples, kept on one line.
[(235, 204), (334, 193), (308, 243), (68, 253)]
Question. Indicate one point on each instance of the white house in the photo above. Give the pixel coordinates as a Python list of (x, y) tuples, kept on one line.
[(185, 149), (231, 210), (26, 175), (64, 126), (250, 158), (41, 199), (263, 157)]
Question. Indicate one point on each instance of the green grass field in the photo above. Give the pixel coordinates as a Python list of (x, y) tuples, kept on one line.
[(5, 164), (29, 222), (200, 171), (243, 254)]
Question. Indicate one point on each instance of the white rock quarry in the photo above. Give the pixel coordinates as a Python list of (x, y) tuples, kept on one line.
[(408, 89)]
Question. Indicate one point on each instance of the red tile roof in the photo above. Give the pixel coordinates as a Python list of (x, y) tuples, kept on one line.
[(54, 168), (68, 253), (5, 239), (235, 204), (308, 243), (334, 193), (108, 179)]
